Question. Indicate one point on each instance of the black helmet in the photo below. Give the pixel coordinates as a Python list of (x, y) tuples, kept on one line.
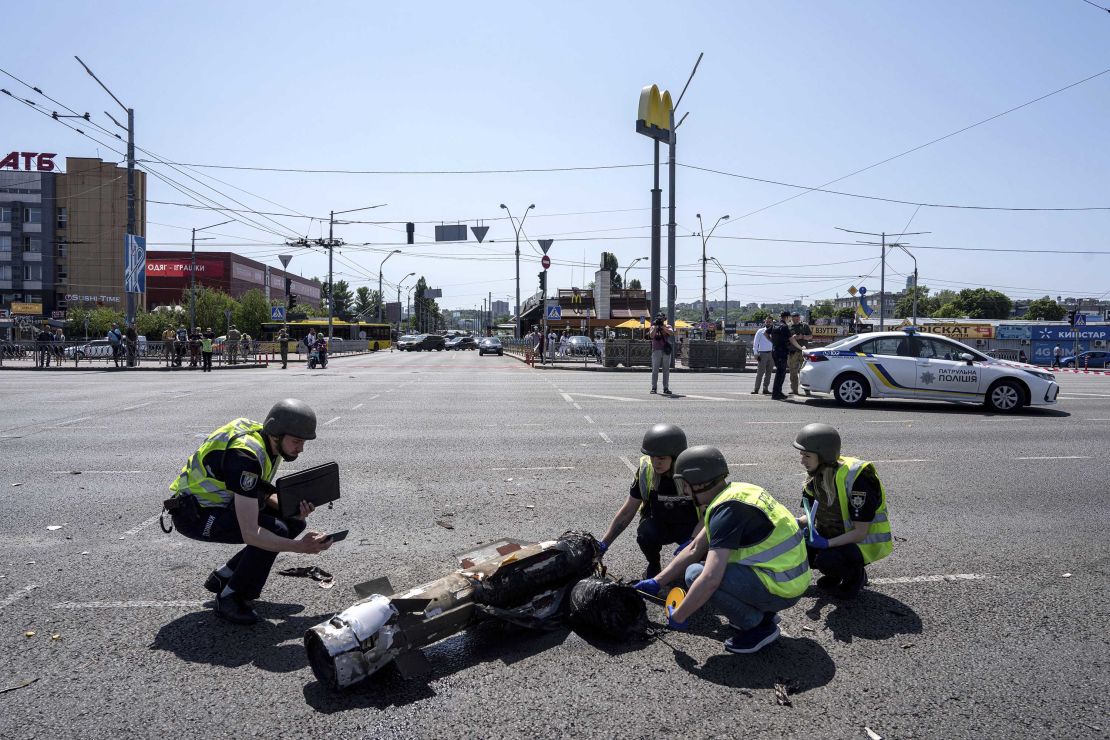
[(664, 440), (700, 464), (820, 439), (292, 417)]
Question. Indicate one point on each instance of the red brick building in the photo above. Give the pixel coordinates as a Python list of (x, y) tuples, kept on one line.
[(168, 275)]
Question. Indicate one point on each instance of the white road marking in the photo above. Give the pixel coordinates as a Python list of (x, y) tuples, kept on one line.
[(73, 421), (356, 408), (1058, 457), (605, 436), (67, 472), (587, 418), (706, 398), (1098, 419), (770, 422), (142, 525), (577, 407), (908, 459), (744, 465), (887, 421), (373, 397), (559, 467), (12, 598), (127, 604), (333, 419), (614, 398), (931, 579), (137, 406), (567, 398), (628, 464)]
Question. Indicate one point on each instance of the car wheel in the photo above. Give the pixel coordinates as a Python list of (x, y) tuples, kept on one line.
[(1069, 364), (850, 390), (500, 352), (1005, 396)]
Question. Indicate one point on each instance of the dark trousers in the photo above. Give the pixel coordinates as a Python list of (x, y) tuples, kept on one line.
[(780, 372), (284, 355), (206, 365), (845, 563), (251, 564), (655, 532)]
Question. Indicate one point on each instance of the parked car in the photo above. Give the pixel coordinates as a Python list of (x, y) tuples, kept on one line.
[(1091, 359), (96, 348), (490, 346), (461, 343), (419, 342), (905, 364), (580, 345)]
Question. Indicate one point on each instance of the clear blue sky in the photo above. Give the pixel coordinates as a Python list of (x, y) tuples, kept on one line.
[(798, 92)]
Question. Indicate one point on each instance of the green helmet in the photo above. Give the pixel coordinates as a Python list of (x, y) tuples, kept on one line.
[(820, 439), (664, 440), (700, 464), (292, 417)]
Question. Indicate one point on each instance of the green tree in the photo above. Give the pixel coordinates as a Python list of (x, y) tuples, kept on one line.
[(925, 304), (950, 310), (343, 299), (981, 303), (823, 310), (426, 316), (366, 302), (1046, 309), (609, 262), (253, 311), (758, 315), (846, 313), (634, 284), (151, 324), (211, 308), (100, 319)]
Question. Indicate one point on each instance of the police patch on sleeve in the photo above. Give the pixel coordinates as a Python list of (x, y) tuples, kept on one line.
[(857, 500), (247, 481)]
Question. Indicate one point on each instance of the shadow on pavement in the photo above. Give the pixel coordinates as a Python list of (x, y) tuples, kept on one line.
[(799, 663), (202, 637), (936, 407), (869, 616)]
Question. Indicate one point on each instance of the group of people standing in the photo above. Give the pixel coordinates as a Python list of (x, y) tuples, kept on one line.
[(198, 344), (738, 547), (780, 347)]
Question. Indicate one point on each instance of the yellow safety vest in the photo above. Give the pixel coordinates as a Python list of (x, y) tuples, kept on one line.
[(195, 479), (646, 476), (877, 544), (780, 559)]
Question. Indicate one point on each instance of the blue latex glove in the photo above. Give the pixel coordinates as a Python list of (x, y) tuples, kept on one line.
[(678, 549), (603, 547), (674, 624), (814, 540), (649, 587)]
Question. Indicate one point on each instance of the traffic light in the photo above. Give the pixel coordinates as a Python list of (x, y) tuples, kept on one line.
[(410, 229), (1071, 317), (543, 283), (292, 300)]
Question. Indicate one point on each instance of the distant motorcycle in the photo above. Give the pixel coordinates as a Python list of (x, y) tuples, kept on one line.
[(315, 357)]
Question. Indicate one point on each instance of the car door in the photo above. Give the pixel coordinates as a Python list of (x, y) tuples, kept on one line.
[(941, 373), (890, 364)]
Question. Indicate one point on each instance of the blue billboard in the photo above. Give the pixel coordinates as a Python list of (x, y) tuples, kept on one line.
[(134, 264), (1064, 333), (1010, 331)]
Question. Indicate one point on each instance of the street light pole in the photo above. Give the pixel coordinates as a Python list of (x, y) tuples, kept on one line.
[(882, 256), (516, 328), (406, 277), (914, 279), (193, 274), (380, 301), (704, 241), (717, 262), (331, 245), (624, 283)]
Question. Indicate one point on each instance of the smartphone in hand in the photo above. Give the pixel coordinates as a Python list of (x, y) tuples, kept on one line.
[(337, 536)]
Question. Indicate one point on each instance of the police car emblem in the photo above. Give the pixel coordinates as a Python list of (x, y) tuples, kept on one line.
[(247, 481), (857, 501)]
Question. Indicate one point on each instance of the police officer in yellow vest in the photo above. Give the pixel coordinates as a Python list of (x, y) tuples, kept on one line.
[(225, 494), (849, 527), (755, 559), (666, 516)]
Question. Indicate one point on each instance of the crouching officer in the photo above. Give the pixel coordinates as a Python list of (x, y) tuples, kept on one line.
[(224, 494), (755, 560), (666, 516), (845, 515)]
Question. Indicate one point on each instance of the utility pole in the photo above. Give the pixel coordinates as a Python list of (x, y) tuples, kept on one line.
[(331, 243), (380, 294), (704, 260), (882, 257), (130, 128), (193, 274), (516, 329), (724, 328)]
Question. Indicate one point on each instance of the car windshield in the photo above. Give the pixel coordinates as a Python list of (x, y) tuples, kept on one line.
[(841, 342)]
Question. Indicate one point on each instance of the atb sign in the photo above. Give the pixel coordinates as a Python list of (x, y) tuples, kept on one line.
[(277, 313)]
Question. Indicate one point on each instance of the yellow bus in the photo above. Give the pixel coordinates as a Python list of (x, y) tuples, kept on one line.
[(376, 336)]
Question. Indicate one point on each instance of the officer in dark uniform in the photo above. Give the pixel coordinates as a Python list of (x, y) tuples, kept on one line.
[(666, 517), (849, 527), (225, 494), (780, 349)]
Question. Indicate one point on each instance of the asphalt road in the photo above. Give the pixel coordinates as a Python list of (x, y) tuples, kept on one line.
[(970, 629)]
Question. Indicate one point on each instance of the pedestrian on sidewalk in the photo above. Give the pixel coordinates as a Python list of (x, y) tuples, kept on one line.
[(283, 345), (1057, 355), (660, 335), (761, 347), (207, 339), (232, 345), (115, 338)]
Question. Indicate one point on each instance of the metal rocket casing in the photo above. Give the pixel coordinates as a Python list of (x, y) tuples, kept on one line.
[(524, 584)]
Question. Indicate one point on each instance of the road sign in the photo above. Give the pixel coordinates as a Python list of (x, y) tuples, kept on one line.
[(1080, 319), (643, 321), (479, 232), (545, 261), (277, 313), (545, 244), (554, 313)]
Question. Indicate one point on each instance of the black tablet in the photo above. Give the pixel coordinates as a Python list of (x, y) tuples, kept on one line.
[(317, 485)]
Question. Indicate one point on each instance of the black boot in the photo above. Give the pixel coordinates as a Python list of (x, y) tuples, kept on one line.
[(234, 609), (652, 570), (828, 583), (852, 585)]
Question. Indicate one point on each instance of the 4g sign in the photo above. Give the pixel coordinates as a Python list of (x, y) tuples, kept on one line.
[(43, 162)]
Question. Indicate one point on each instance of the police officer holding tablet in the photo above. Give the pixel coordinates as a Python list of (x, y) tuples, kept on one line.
[(225, 494)]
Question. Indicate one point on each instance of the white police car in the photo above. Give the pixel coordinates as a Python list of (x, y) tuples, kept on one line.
[(908, 364)]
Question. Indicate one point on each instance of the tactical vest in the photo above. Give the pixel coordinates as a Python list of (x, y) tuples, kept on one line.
[(195, 479), (878, 542), (652, 503), (780, 559)]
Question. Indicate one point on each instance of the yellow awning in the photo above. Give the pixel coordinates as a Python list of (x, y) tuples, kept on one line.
[(630, 324), (680, 324)]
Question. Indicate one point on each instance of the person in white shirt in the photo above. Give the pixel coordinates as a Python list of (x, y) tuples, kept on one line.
[(765, 367)]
